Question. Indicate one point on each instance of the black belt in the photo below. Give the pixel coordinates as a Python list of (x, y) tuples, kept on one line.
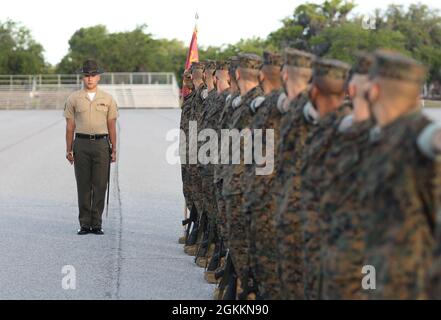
[(91, 136)]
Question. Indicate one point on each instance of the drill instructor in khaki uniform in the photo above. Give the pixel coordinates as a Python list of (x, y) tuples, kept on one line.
[(91, 116)]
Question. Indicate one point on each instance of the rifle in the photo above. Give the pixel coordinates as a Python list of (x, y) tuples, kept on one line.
[(216, 260), (228, 283), (185, 215), (202, 237), (191, 238)]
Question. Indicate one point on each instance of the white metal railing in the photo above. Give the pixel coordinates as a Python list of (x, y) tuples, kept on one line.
[(132, 78), (131, 90)]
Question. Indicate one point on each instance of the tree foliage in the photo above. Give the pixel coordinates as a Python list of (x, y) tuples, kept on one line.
[(19, 52), (133, 51)]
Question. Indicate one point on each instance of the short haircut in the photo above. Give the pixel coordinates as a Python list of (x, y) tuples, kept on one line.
[(248, 74), (196, 74), (302, 75), (271, 72), (330, 86), (222, 74)]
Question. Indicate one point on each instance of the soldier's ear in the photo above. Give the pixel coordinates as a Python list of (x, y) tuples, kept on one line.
[(352, 90), (237, 73), (284, 75), (261, 76), (374, 91), (313, 92)]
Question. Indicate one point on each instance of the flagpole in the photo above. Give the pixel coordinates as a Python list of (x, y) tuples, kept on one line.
[(196, 18)]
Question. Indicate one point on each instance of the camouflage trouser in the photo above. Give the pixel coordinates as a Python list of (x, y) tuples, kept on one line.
[(186, 185), (237, 235), (196, 188), (289, 242), (263, 251), (209, 199), (221, 213), (210, 209), (342, 257), (310, 225)]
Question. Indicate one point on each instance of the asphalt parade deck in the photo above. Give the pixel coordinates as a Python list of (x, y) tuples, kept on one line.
[(137, 258)]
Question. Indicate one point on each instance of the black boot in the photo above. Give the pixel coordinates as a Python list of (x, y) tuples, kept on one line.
[(83, 231)]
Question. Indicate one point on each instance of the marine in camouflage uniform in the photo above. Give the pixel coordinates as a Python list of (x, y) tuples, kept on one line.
[(211, 121), (262, 233), (208, 113), (327, 96), (225, 273), (183, 151), (294, 127), (341, 257), (397, 200), (194, 176), (238, 230), (429, 143), (221, 168)]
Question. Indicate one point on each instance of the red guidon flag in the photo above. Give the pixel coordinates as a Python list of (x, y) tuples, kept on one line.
[(192, 56)]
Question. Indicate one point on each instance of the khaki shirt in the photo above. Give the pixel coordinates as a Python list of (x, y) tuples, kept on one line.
[(91, 116)]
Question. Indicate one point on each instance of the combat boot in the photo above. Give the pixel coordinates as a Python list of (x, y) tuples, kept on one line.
[(182, 240), (217, 294), (201, 262), (252, 296), (191, 250), (210, 278)]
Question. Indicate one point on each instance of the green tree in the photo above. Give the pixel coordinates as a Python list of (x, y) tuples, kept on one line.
[(254, 45), (19, 52), (421, 26), (309, 20), (133, 51), (345, 40)]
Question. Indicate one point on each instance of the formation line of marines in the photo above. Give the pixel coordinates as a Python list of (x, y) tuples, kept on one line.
[(351, 209)]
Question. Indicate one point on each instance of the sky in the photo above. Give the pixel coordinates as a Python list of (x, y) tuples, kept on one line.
[(52, 23)]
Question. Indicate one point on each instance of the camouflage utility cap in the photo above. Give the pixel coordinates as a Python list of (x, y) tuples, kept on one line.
[(394, 65), (210, 65), (362, 63), (222, 65), (250, 61), (272, 59), (234, 63), (196, 66), (332, 69), (298, 59)]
